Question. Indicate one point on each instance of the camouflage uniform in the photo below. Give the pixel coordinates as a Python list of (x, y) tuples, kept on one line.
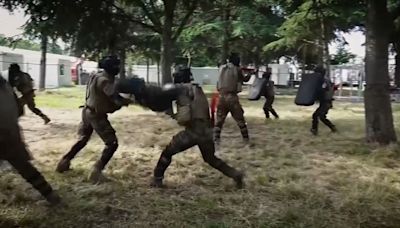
[(101, 99), (229, 85), (325, 103), (24, 84), (13, 148), (269, 95), (193, 113)]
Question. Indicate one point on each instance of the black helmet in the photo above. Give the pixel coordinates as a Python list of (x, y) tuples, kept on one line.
[(184, 75), (234, 58), (111, 64), (14, 67)]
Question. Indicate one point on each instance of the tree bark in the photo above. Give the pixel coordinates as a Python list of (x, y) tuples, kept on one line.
[(167, 52), (225, 41), (147, 69), (158, 72), (378, 110), (122, 73), (325, 57), (42, 79)]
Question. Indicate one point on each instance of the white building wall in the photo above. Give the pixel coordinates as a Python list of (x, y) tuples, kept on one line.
[(30, 63)]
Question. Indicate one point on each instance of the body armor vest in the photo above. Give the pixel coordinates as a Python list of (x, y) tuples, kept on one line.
[(96, 99), (229, 81), (192, 104)]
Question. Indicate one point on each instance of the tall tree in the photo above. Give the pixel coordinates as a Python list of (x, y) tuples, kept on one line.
[(167, 18), (311, 26), (249, 28), (43, 47), (378, 110)]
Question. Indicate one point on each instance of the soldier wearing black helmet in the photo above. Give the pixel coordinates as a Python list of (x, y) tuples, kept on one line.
[(269, 94), (24, 84), (229, 85), (325, 98), (182, 74), (101, 99), (192, 112), (13, 148)]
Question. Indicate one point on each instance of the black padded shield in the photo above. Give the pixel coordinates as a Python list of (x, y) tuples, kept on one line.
[(130, 86), (158, 99), (307, 93), (256, 89)]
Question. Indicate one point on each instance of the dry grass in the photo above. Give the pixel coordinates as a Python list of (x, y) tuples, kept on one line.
[(293, 179)]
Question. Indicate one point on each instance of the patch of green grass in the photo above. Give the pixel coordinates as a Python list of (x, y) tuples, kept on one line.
[(65, 98)]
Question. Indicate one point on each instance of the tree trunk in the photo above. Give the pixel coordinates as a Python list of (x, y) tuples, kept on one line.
[(320, 49), (147, 69), (158, 72), (225, 41), (122, 73), (327, 59), (42, 80), (167, 45), (378, 110), (166, 57)]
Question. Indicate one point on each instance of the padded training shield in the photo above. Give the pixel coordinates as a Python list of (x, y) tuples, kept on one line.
[(130, 86), (257, 88), (309, 86), (157, 98)]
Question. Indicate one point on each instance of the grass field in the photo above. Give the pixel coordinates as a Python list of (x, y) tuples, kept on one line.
[(292, 178)]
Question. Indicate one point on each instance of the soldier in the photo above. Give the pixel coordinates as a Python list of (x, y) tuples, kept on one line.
[(269, 95), (192, 112), (101, 99), (24, 84), (229, 85), (13, 148), (182, 74), (325, 98)]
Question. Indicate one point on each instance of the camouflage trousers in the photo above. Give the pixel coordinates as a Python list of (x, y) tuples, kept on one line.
[(229, 103), (14, 151), (200, 134), (28, 99), (320, 114), (99, 123), (268, 107)]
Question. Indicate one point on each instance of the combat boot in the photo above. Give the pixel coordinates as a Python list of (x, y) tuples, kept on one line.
[(238, 178), (53, 198), (157, 182), (46, 119), (96, 176), (63, 165), (334, 129), (314, 131)]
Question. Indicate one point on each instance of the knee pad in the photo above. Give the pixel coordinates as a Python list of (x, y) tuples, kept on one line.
[(242, 125), (112, 145), (165, 159)]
